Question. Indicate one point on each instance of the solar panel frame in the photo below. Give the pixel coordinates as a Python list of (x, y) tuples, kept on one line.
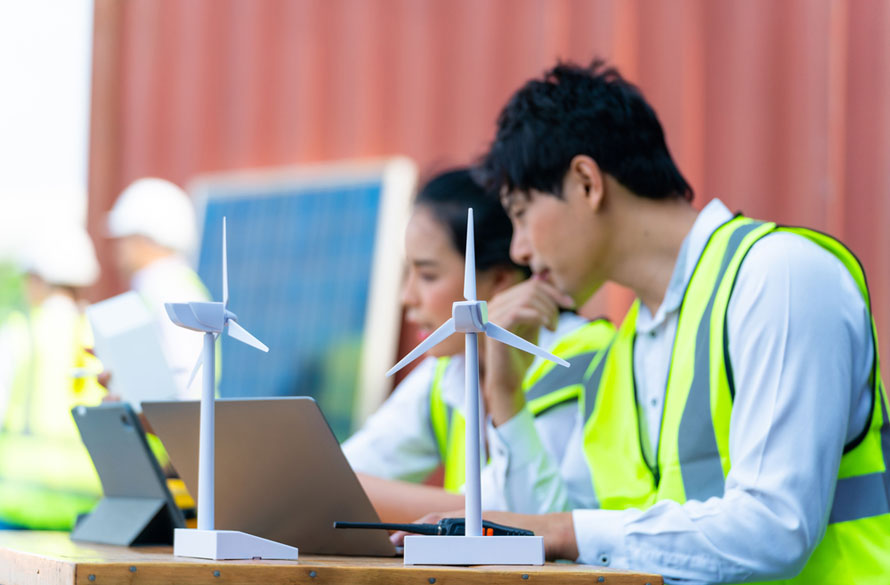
[(362, 294)]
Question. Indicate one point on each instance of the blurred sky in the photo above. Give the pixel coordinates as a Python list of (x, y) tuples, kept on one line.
[(45, 65)]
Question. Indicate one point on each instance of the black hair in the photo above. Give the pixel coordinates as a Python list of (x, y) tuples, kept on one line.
[(448, 195), (576, 110)]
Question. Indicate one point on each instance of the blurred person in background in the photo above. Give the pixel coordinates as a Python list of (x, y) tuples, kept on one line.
[(153, 229), (12, 295), (421, 426), (46, 476)]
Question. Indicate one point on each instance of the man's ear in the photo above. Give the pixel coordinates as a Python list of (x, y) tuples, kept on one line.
[(585, 175)]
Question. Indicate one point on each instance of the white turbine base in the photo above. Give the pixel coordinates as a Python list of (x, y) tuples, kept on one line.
[(221, 545), (474, 550)]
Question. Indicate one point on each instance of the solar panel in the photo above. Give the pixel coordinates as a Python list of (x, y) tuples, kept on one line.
[(314, 270)]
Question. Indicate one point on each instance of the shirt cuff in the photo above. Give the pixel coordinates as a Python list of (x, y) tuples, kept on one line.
[(516, 441), (599, 535)]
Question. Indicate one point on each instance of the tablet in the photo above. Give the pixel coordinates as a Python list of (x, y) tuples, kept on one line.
[(279, 473), (136, 506)]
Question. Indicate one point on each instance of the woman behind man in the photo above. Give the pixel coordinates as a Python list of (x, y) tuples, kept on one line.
[(421, 426)]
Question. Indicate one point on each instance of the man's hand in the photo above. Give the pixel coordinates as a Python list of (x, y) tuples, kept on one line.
[(522, 309), (103, 377), (557, 529)]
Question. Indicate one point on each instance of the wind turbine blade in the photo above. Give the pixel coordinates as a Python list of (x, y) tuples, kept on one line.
[(225, 268), (444, 330), (242, 335), (196, 369), (505, 336), (470, 261), (198, 364)]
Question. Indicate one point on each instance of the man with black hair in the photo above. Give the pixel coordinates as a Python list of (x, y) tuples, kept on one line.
[(736, 429)]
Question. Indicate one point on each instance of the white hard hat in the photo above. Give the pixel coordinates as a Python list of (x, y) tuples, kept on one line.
[(156, 209), (62, 254)]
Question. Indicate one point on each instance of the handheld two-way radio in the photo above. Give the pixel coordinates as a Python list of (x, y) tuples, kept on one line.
[(445, 527)]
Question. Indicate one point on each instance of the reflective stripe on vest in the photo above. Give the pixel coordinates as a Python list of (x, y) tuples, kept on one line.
[(704, 462), (545, 386), (693, 452), (549, 385)]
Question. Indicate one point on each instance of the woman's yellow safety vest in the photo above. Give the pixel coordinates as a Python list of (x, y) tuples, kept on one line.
[(545, 386), (692, 458), (46, 475)]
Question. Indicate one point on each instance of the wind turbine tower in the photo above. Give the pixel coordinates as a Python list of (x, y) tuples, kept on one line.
[(470, 317), (211, 319)]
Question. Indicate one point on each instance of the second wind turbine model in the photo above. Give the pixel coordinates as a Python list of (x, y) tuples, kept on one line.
[(471, 317), (211, 318)]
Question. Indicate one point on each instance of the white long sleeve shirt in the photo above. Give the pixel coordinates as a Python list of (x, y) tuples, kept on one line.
[(801, 348), (172, 280), (398, 442)]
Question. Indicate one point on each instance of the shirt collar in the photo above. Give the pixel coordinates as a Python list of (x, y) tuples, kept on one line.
[(709, 219)]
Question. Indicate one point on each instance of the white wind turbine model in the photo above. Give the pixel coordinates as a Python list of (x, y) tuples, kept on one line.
[(471, 317), (204, 542)]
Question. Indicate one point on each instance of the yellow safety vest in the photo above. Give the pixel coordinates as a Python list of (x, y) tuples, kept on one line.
[(545, 386), (46, 475), (692, 458)]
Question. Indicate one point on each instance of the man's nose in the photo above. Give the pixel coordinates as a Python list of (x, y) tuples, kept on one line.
[(520, 251)]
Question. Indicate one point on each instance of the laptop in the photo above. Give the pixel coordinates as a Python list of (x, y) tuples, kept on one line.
[(280, 473), (136, 506)]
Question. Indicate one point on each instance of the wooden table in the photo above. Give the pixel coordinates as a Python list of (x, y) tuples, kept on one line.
[(28, 558)]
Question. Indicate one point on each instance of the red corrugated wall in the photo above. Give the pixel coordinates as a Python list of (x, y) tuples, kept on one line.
[(779, 108)]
